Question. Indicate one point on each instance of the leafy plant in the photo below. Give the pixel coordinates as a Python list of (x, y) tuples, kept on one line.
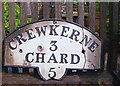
[(6, 20), (17, 17), (6, 24)]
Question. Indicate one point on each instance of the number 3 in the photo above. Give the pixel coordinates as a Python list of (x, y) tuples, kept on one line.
[(52, 73), (53, 46)]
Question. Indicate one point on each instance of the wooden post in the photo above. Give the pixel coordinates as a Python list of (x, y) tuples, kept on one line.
[(69, 11), (11, 16), (113, 25), (23, 13), (46, 10), (92, 15), (1, 39), (34, 10), (58, 10), (1, 36), (103, 20), (103, 31), (81, 13)]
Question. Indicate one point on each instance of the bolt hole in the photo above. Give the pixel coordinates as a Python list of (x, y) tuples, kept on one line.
[(20, 50), (83, 51)]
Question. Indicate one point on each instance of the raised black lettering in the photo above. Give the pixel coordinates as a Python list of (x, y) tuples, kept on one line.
[(30, 34), (27, 57), (53, 46), (93, 46), (38, 57), (73, 59), (75, 34), (20, 39), (86, 40), (63, 58), (64, 31), (41, 30), (12, 45), (53, 29), (52, 58)]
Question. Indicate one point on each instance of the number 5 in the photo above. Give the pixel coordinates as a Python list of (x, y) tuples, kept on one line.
[(52, 73)]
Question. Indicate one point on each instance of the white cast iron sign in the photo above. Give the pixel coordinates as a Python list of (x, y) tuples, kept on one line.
[(53, 46)]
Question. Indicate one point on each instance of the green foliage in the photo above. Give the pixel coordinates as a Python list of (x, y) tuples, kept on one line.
[(97, 6), (6, 24), (17, 17), (29, 20), (6, 20)]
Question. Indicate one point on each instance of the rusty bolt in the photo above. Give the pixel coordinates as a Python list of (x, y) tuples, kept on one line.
[(39, 48)]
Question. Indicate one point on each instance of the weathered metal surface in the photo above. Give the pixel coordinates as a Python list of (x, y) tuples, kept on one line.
[(53, 46)]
